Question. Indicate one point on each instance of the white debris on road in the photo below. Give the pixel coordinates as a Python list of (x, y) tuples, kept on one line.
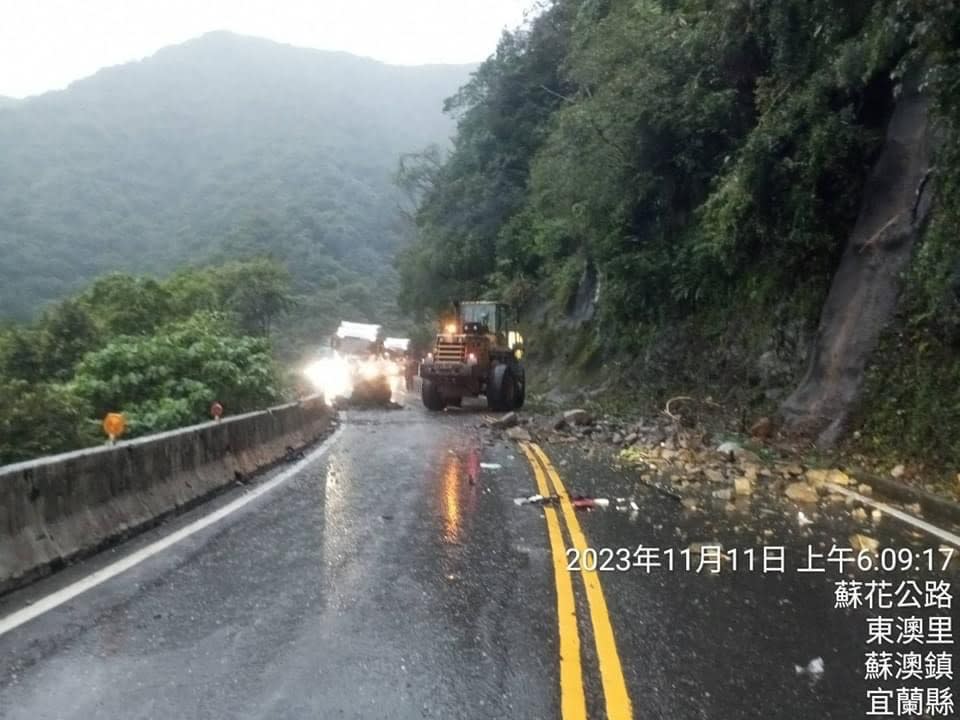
[(814, 668)]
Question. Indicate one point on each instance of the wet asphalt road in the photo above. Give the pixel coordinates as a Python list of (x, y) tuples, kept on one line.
[(394, 577)]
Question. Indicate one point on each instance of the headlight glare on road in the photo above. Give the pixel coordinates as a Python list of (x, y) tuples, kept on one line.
[(331, 376)]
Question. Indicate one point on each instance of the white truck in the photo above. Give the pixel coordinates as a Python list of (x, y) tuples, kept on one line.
[(360, 346)]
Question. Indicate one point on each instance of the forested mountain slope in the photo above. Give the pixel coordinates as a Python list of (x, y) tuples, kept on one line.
[(222, 141), (669, 186)]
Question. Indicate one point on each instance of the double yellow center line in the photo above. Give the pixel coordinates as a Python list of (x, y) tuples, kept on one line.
[(572, 699)]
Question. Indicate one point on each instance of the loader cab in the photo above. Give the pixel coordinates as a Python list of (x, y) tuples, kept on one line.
[(487, 318), (477, 352)]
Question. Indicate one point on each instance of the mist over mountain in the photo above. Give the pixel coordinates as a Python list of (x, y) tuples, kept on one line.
[(220, 146)]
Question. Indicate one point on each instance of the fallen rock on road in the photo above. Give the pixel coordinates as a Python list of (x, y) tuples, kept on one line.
[(864, 542), (802, 492), (507, 421), (519, 434)]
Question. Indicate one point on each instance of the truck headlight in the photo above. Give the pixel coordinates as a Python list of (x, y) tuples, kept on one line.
[(331, 376), (369, 371)]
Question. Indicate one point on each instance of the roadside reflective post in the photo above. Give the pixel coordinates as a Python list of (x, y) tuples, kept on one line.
[(113, 425)]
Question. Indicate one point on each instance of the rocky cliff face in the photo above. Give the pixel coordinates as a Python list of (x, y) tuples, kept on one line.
[(864, 291)]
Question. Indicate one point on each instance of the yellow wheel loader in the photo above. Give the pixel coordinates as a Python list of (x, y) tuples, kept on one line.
[(477, 352)]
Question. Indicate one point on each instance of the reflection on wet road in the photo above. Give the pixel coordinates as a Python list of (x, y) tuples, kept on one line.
[(449, 498), (388, 578), (392, 576)]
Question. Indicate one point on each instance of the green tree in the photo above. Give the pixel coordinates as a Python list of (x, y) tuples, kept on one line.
[(159, 351), (503, 115), (40, 419), (170, 378), (20, 357), (688, 151), (256, 292), (65, 334), (127, 305), (193, 289)]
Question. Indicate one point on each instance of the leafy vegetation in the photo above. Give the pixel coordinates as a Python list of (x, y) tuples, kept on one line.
[(159, 351), (40, 419), (266, 167), (703, 159), (700, 165), (169, 379)]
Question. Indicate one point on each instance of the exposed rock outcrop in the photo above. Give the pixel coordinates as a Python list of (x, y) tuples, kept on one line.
[(864, 291)]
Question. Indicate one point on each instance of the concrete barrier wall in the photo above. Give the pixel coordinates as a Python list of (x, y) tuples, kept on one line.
[(57, 508)]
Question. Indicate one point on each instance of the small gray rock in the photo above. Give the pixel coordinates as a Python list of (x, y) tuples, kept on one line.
[(519, 434), (578, 416), (507, 421)]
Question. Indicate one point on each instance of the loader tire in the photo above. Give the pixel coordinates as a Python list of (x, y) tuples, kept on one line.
[(432, 400), (501, 390)]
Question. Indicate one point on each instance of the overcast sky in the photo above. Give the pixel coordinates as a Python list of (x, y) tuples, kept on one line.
[(46, 44)]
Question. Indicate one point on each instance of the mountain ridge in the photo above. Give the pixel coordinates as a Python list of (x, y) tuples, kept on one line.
[(225, 38), (144, 166)]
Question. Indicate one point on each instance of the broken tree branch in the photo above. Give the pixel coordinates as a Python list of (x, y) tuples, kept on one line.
[(558, 95), (881, 235), (679, 398)]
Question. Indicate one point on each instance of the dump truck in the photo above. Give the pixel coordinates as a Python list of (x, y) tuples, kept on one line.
[(478, 352), (398, 351), (360, 350), (395, 345)]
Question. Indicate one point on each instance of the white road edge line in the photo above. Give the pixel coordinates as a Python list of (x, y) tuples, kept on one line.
[(71, 591), (900, 515)]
